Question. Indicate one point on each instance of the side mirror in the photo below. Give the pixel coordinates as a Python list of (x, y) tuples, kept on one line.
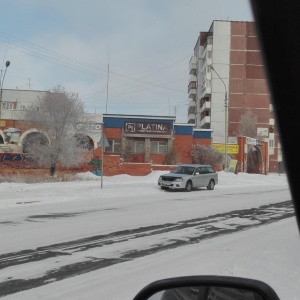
[(207, 288)]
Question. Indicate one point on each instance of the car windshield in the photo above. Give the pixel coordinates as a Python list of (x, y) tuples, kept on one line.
[(184, 170), (103, 105)]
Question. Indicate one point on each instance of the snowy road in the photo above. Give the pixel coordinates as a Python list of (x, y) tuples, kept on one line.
[(57, 233)]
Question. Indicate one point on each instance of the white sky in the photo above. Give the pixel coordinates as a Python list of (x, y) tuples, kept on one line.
[(269, 252), (147, 44)]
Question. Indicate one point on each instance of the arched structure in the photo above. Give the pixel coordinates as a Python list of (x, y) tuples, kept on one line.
[(1, 137), (32, 136), (254, 160), (85, 141)]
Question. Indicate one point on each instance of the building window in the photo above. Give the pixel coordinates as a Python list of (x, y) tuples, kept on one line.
[(271, 143), (136, 146), (114, 146), (158, 147), (7, 105)]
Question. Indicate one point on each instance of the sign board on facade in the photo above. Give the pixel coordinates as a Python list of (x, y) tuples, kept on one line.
[(262, 132), (89, 127), (147, 128), (251, 141), (231, 148)]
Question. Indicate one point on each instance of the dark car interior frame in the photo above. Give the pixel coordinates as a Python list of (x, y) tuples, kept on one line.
[(278, 27), (265, 291)]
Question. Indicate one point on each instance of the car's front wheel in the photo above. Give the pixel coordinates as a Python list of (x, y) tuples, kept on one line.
[(211, 185), (188, 186)]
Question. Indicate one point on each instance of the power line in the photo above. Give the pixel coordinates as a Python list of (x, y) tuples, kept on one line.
[(77, 65)]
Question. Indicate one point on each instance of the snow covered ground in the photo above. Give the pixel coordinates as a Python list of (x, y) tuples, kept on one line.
[(37, 215)]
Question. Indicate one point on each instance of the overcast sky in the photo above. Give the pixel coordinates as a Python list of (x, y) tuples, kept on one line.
[(147, 45)]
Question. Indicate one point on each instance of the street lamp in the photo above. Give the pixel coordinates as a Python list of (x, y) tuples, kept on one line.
[(226, 115), (1, 83)]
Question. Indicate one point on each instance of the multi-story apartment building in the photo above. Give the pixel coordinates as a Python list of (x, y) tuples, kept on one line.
[(227, 78)]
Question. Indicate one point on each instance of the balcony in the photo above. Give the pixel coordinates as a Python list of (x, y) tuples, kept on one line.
[(205, 120), (192, 110), (193, 78), (193, 65), (191, 119), (209, 47), (205, 106), (209, 61), (205, 92), (192, 90), (192, 93), (202, 53)]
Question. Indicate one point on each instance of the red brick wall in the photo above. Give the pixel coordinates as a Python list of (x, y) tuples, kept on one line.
[(113, 164), (158, 159), (22, 125), (162, 167), (136, 158), (205, 142), (113, 133), (183, 145)]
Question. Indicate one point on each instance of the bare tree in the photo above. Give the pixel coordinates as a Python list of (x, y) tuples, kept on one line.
[(55, 116), (171, 157), (125, 149), (206, 155), (247, 125)]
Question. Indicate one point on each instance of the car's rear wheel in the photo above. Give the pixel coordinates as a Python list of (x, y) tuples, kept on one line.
[(188, 186), (211, 185)]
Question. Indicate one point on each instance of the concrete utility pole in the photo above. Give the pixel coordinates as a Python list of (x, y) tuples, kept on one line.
[(1, 84), (226, 118), (103, 143), (102, 155)]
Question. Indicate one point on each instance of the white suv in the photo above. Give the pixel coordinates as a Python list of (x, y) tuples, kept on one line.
[(188, 177)]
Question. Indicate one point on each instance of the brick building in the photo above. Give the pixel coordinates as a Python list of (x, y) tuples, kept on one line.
[(227, 78), (149, 138)]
